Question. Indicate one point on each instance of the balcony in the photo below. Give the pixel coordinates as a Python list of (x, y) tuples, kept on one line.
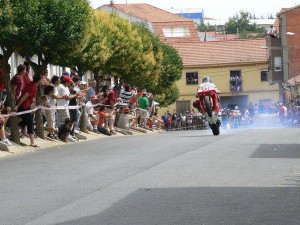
[(235, 85)]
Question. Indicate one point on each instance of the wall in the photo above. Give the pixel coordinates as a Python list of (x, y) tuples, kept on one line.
[(289, 23)]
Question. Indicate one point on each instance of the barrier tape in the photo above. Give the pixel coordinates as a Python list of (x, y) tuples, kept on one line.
[(57, 108)]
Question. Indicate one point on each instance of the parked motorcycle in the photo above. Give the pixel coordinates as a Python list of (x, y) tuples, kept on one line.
[(209, 104)]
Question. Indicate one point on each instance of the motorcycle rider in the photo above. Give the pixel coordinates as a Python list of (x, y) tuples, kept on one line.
[(198, 103)]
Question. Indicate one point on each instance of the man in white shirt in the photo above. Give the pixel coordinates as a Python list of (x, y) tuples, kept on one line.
[(125, 119), (63, 90), (92, 116)]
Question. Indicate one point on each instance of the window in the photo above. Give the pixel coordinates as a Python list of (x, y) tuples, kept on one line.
[(192, 78), (277, 64), (176, 32), (264, 75), (235, 81)]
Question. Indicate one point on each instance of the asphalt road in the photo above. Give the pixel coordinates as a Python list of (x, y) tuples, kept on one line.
[(243, 176)]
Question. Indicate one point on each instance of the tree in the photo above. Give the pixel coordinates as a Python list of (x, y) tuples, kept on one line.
[(98, 49), (56, 32), (166, 91), (202, 27), (13, 15), (133, 57), (169, 96), (240, 23)]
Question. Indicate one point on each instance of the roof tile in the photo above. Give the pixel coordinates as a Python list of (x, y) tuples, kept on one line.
[(148, 12), (222, 52)]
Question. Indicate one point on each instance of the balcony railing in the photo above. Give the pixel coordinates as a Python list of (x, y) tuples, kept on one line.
[(236, 86)]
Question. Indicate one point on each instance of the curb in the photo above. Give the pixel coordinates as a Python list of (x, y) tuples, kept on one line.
[(24, 148)]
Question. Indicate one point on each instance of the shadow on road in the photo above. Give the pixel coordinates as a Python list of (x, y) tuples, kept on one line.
[(277, 151), (203, 205)]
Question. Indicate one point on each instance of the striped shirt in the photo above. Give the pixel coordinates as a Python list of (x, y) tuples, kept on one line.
[(126, 96)]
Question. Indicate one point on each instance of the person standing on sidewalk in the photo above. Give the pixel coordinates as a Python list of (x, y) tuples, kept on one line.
[(110, 101), (92, 90), (143, 104), (24, 103), (63, 91), (17, 81)]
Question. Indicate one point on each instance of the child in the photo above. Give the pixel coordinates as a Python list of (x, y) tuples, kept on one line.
[(64, 131)]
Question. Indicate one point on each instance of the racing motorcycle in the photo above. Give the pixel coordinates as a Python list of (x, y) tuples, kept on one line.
[(208, 102)]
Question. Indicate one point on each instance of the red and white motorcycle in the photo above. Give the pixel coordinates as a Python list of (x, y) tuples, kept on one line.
[(208, 103)]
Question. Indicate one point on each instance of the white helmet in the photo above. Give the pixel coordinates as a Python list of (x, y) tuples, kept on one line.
[(236, 107)]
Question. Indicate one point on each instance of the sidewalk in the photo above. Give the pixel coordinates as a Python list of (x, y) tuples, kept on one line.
[(48, 143)]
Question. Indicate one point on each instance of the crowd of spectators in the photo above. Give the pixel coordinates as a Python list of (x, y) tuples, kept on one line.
[(67, 100), (190, 120)]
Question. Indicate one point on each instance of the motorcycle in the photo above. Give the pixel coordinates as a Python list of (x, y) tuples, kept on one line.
[(209, 104)]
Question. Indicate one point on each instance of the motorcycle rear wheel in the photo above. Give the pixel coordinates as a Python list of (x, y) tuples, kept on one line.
[(208, 106)]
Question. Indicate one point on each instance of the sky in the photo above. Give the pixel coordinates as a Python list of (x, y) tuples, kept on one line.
[(217, 9)]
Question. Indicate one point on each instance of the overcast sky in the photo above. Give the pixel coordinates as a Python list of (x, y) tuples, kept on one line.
[(218, 9)]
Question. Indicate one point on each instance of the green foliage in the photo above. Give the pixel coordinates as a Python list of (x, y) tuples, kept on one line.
[(168, 96), (248, 35), (202, 27), (240, 23), (57, 30), (99, 46), (162, 76)]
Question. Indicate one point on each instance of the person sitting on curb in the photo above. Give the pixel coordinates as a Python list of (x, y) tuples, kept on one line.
[(102, 115), (92, 116), (125, 119), (64, 131)]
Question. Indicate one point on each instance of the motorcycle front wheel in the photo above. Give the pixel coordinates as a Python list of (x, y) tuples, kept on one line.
[(215, 129)]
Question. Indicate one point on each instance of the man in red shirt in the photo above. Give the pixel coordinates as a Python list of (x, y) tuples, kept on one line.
[(24, 103), (17, 81), (2, 80)]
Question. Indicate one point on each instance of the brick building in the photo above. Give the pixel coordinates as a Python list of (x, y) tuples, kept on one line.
[(286, 49)]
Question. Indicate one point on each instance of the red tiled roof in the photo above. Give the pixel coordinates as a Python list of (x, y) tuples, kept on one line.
[(285, 10), (239, 51), (160, 19), (148, 12)]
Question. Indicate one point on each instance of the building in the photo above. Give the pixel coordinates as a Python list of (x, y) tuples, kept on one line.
[(195, 14), (230, 64), (239, 67), (284, 50), (264, 23), (168, 26)]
